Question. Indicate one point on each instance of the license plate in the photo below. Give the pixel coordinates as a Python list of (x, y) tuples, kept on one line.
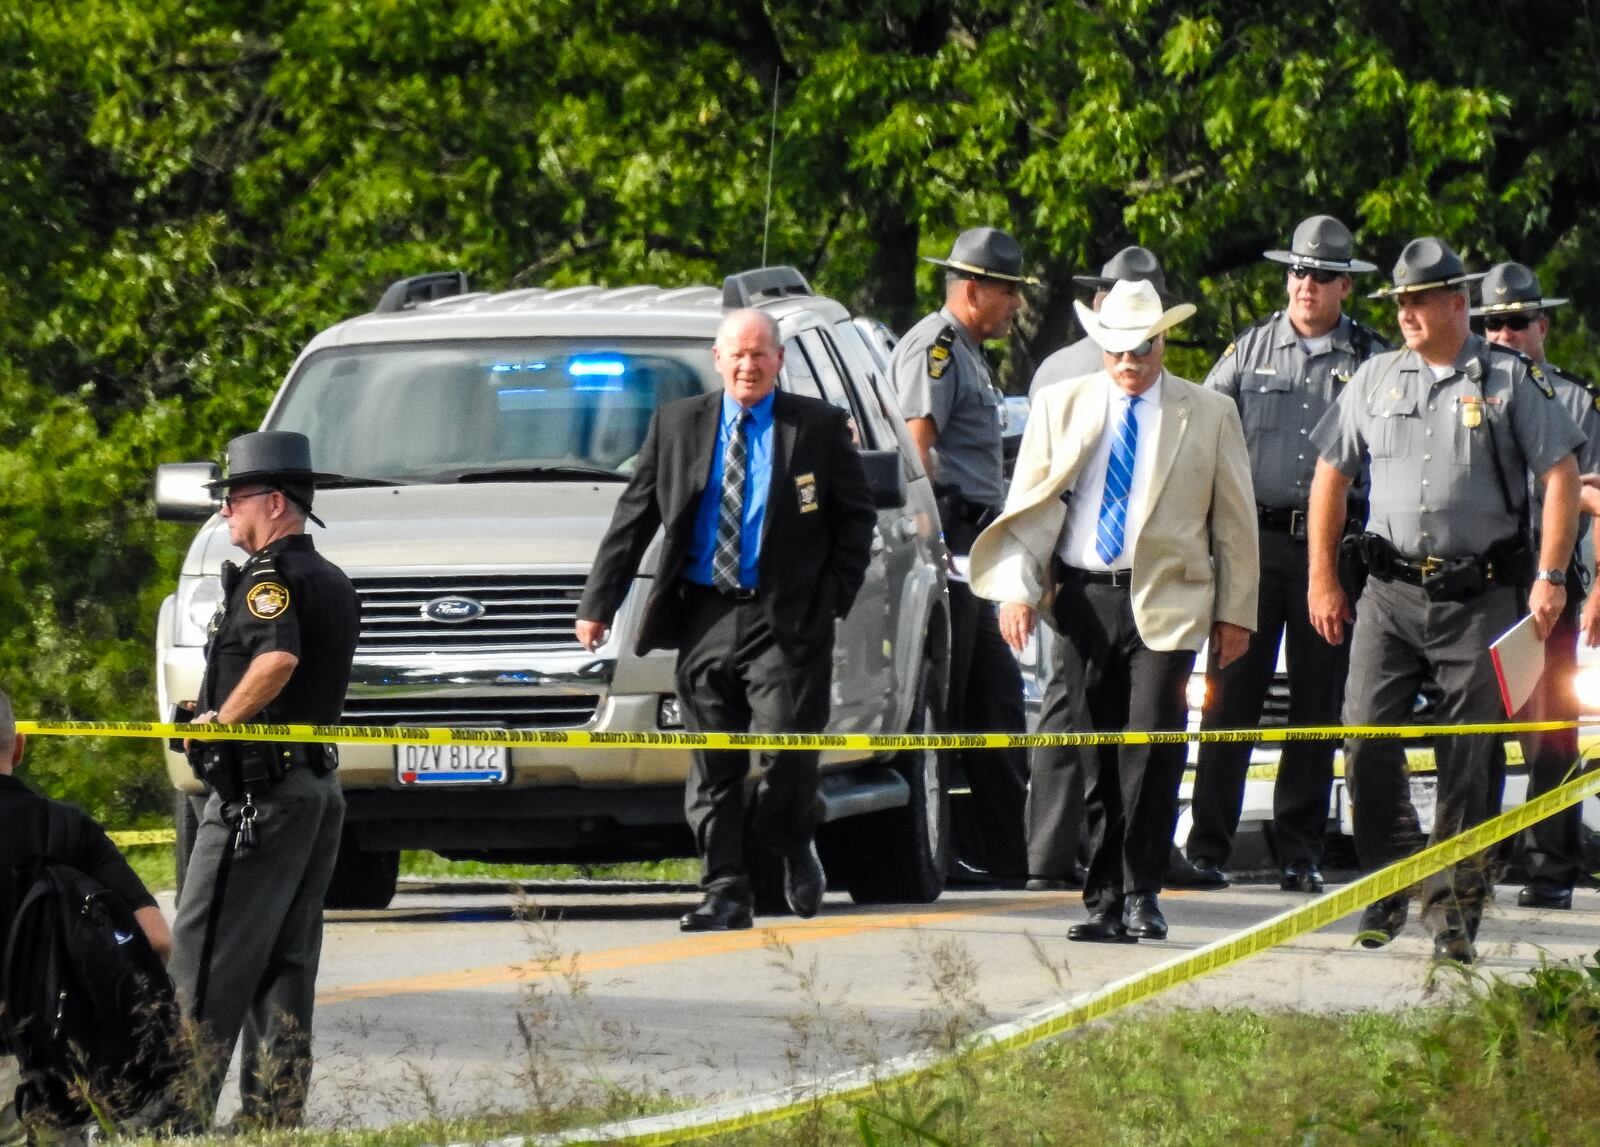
[(451, 764)]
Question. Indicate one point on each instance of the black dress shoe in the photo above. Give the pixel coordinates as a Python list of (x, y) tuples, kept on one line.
[(1384, 919), (1142, 916), (1453, 944), (804, 881), (1102, 928), (717, 914), (1301, 876), (1203, 874), (1532, 897)]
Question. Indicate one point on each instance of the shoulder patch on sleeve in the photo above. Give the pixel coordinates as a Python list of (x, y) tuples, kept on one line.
[(939, 352), (1535, 375), (267, 599)]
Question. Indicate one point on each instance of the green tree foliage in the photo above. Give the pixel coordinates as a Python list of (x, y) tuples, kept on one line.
[(191, 188)]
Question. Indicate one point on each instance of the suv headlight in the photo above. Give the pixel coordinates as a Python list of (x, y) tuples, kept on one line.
[(198, 598)]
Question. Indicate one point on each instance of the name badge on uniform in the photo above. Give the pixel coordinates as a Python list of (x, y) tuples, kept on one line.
[(1272, 370), (1471, 412), (805, 489)]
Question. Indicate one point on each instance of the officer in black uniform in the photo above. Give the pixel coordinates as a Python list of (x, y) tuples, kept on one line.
[(1513, 311), (1284, 373), (955, 414), (249, 929), (1452, 426)]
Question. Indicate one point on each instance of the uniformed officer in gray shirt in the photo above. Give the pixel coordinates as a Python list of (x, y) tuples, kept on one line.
[(1452, 425), (1283, 373), (1085, 357), (1513, 311), (954, 412)]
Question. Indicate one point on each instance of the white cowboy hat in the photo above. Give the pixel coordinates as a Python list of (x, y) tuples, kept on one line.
[(1131, 313)]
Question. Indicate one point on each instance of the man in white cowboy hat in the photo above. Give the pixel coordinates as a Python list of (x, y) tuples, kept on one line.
[(1513, 311), (955, 414), (1131, 519), (1083, 357), (1452, 425), (1283, 373)]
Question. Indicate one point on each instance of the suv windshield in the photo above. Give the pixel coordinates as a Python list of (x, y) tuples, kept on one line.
[(513, 410)]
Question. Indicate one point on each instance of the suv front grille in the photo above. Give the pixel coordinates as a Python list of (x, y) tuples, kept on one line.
[(520, 611), (554, 711)]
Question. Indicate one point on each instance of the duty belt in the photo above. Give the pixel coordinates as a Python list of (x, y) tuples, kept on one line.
[(1443, 579), (1293, 521)]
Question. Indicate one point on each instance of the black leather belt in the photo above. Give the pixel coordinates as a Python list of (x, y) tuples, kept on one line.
[(740, 594), (1293, 522), (1122, 579)]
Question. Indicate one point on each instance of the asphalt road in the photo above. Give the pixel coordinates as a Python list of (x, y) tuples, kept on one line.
[(466, 996)]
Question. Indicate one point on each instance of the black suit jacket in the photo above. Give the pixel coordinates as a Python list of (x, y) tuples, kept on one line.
[(814, 552)]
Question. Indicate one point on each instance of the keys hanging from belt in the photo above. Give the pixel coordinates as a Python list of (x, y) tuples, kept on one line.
[(244, 835)]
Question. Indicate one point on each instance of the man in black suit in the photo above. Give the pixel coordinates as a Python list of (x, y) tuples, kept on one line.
[(768, 531)]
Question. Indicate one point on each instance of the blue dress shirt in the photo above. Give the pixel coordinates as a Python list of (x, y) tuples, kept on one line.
[(757, 482)]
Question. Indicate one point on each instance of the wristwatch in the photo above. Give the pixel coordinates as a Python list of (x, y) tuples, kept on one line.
[(1554, 577)]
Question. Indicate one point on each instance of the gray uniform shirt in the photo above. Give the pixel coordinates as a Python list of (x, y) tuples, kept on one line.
[(963, 401), (1584, 407), (1282, 393), (1434, 485), (1072, 361)]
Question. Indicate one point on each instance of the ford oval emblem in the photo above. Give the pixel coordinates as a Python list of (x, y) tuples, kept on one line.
[(453, 610)]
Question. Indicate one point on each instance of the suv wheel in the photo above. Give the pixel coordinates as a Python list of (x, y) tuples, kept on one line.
[(362, 879), (899, 855)]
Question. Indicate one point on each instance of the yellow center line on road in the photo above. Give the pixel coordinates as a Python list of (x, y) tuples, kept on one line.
[(690, 947)]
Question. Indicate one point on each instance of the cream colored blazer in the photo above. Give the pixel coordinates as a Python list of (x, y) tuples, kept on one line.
[(1195, 560)]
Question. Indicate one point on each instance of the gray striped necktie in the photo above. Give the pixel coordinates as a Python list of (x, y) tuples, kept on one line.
[(730, 518)]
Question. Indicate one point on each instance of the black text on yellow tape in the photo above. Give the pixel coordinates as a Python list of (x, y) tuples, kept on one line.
[(871, 742)]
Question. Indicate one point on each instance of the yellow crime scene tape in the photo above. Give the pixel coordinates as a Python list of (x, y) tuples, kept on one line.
[(773, 1107), (877, 742), (883, 742)]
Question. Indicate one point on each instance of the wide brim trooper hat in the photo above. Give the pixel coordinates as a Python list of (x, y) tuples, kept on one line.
[(1322, 243), (986, 253), (1129, 263), (1425, 264), (270, 457), (1131, 313), (1509, 288)]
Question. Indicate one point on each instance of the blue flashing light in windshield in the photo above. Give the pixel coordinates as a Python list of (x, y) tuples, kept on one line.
[(603, 367), (512, 367)]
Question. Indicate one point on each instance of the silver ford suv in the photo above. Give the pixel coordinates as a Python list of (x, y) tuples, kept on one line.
[(485, 439)]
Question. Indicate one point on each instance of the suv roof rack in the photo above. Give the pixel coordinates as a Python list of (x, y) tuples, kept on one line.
[(406, 293), (747, 288)]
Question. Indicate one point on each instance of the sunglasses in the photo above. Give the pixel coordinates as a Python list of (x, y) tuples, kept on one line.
[(1511, 322), (1139, 351), (1315, 274), (230, 500)]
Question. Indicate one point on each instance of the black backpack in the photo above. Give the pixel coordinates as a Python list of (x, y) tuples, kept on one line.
[(88, 1008)]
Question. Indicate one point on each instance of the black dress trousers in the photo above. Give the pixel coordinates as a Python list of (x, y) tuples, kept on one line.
[(733, 676), (1109, 680)]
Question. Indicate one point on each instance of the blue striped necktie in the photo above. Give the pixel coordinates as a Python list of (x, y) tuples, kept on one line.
[(1113, 524)]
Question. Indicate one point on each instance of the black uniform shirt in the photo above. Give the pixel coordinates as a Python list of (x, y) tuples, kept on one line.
[(288, 599), (80, 843)]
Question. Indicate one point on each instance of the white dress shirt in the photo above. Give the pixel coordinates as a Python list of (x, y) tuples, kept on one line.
[(1076, 546)]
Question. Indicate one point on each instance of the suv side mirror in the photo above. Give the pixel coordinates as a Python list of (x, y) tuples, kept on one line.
[(886, 478), (181, 494)]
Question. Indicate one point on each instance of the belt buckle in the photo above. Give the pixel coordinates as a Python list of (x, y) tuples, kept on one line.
[(1297, 523), (1429, 566)]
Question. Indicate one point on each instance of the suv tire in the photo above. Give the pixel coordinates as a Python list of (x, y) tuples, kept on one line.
[(362, 879), (899, 855)]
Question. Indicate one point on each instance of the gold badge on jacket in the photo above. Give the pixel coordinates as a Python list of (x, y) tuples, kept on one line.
[(805, 488), (1471, 412), (267, 600)]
